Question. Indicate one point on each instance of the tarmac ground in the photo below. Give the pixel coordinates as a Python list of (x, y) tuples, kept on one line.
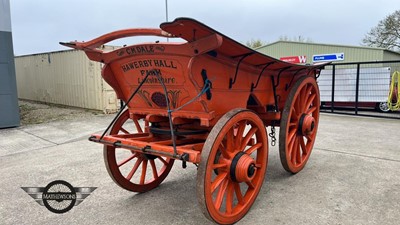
[(352, 178)]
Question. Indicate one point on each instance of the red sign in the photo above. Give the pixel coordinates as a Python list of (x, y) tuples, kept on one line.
[(294, 59)]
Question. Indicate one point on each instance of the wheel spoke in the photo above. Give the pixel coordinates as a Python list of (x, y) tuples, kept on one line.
[(248, 136), (138, 127), (144, 170), (134, 168), (239, 135), (298, 153), (229, 197), (303, 146), (311, 110), (220, 194), (290, 146), (308, 103), (308, 138), (123, 130), (223, 151), (294, 115), (308, 89), (238, 192), (162, 160), (218, 181), (297, 107), (307, 93), (292, 134), (294, 151), (250, 184), (303, 96), (230, 144), (300, 99), (127, 160), (154, 168), (218, 166), (253, 148)]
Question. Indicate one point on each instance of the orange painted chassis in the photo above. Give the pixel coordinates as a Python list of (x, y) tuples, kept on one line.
[(240, 77)]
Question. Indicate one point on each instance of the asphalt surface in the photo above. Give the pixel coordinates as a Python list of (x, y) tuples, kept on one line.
[(352, 177)]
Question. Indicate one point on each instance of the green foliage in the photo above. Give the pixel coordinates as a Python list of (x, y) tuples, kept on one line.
[(296, 38), (255, 43), (386, 34)]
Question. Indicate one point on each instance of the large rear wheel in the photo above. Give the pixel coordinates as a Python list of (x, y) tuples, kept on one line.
[(299, 124)]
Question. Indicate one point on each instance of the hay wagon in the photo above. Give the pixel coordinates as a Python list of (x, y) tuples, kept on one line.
[(207, 101)]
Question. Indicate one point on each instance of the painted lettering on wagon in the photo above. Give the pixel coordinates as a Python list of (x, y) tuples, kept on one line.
[(143, 49), (154, 80), (148, 63)]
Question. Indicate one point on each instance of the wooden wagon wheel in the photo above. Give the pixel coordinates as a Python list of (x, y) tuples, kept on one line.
[(232, 166), (299, 124), (131, 170)]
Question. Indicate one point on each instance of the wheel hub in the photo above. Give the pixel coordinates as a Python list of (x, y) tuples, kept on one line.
[(242, 168), (306, 124), (149, 157)]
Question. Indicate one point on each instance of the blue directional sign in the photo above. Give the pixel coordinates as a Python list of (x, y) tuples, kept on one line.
[(328, 57)]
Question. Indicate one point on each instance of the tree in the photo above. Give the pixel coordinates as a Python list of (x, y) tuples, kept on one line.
[(296, 38), (255, 43), (386, 34)]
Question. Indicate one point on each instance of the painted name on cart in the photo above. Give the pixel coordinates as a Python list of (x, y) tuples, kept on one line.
[(148, 66), (144, 49), (148, 63)]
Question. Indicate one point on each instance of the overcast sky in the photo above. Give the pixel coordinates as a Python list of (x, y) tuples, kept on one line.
[(39, 25)]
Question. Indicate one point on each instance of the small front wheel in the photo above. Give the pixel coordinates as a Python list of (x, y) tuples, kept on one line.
[(134, 171)]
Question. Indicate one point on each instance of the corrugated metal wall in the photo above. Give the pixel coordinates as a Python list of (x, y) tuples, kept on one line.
[(64, 77), (351, 53), (388, 55), (392, 56)]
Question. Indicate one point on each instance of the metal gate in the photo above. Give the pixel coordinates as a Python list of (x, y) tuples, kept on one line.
[(360, 88)]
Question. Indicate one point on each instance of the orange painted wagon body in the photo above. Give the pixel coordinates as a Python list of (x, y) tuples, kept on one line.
[(206, 100)]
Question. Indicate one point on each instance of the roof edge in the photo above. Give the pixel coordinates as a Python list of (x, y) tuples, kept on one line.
[(331, 45)]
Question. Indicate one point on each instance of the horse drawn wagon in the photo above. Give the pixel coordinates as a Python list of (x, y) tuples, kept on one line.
[(207, 101)]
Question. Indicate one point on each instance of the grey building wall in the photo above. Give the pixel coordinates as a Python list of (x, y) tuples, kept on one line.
[(9, 110)]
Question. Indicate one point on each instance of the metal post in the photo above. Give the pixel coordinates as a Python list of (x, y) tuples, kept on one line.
[(357, 87), (166, 14), (166, 10), (333, 88)]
